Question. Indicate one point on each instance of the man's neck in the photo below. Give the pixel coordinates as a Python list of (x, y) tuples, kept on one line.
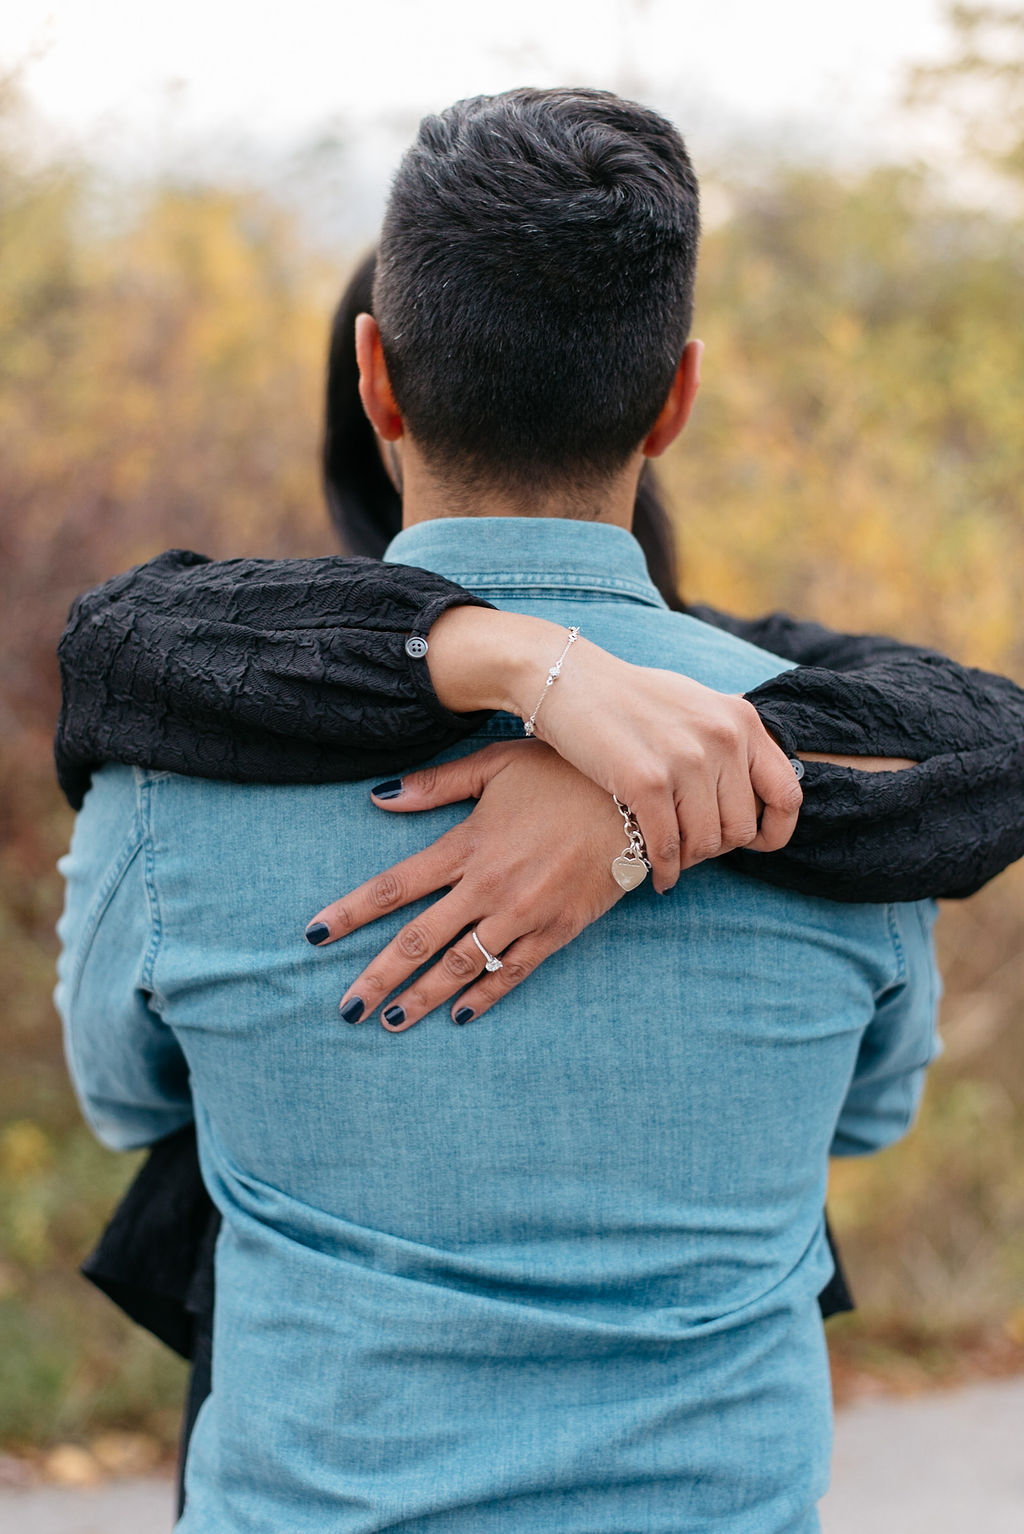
[(427, 495)]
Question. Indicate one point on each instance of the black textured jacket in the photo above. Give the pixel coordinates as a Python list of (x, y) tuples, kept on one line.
[(295, 671)]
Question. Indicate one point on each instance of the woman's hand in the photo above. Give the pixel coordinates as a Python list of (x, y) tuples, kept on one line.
[(529, 868), (697, 767)]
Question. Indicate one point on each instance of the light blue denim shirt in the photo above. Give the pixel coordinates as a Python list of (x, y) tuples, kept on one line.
[(556, 1271)]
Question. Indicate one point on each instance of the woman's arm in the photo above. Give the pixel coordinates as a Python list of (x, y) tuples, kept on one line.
[(942, 829), (277, 671), (319, 670)]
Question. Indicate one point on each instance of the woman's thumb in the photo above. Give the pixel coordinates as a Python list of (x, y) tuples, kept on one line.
[(448, 783)]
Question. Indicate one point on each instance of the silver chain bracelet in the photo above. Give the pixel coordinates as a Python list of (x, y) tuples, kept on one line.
[(529, 728), (630, 867)]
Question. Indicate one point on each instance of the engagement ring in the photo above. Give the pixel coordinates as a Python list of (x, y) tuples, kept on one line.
[(491, 962)]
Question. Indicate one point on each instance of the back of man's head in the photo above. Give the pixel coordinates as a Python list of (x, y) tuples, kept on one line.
[(534, 285)]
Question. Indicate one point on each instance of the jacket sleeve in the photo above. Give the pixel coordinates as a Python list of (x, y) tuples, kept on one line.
[(940, 829), (278, 671)]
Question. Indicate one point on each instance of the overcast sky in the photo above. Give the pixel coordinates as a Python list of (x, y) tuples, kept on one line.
[(282, 71), (211, 81)]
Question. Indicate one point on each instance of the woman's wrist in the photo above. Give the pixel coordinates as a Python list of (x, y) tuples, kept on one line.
[(480, 658), (860, 763)]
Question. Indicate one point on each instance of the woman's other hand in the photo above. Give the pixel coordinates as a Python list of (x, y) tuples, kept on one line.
[(528, 869), (697, 767)]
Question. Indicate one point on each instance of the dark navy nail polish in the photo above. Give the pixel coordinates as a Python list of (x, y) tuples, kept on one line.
[(316, 932), (394, 1015), (463, 1015), (352, 1011), (389, 790)]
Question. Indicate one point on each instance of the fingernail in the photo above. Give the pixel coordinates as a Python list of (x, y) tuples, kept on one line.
[(352, 1011), (394, 1015), (463, 1015), (317, 931), (389, 790)]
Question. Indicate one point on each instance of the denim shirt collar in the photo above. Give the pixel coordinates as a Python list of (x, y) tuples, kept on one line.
[(506, 556)]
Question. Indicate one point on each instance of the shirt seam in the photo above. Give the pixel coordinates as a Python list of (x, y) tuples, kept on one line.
[(145, 783), (105, 893), (899, 951), (511, 583)]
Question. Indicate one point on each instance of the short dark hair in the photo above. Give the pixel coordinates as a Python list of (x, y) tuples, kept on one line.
[(364, 505), (534, 285)]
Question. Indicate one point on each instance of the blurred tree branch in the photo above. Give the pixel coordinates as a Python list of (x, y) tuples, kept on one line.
[(981, 87)]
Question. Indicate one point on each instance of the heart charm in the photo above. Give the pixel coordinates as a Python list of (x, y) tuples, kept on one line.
[(628, 871)]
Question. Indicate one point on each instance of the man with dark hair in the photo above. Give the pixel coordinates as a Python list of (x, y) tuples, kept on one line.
[(534, 286), (559, 1274)]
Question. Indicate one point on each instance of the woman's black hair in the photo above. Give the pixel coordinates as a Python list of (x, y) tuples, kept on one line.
[(364, 505), (652, 529)]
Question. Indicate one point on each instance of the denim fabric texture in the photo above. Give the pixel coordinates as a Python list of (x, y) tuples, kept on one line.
[(553, 1271)]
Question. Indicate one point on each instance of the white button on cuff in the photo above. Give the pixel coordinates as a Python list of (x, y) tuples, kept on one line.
[(794, 761), (416, 647)]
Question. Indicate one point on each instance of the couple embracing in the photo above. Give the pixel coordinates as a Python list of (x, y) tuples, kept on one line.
[(558, 1268)]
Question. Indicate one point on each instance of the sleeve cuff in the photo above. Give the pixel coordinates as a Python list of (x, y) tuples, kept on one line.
[(773, 717), (419, 670)]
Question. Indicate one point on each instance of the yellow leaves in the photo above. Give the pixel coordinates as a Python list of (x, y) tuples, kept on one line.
[(108, 1455), (25, 1152), (125, 1453), (844, 333), (160, 384), (28, 1237), (27, 1161), (71, 1465), (856, 454)]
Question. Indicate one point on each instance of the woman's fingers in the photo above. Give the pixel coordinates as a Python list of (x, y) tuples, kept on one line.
[(530, 866), (687, 833), (738, 809), (700, 821), (413, 945), (455, 968), (450, 783), (423, 873), (659, 826), (774, 780), (426, 871), (519, 960)]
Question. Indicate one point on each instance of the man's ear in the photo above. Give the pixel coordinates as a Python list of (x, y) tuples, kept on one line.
[(676, 410), (374, 383)]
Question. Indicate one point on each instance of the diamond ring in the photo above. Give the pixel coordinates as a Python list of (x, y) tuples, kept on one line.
[(490, 962)]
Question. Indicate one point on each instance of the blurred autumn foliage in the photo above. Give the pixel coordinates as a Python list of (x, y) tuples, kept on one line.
[(857, 456)]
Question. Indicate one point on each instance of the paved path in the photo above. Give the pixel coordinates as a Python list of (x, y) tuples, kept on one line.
[(947, 1463), (120, 1507), (941, 1464)]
